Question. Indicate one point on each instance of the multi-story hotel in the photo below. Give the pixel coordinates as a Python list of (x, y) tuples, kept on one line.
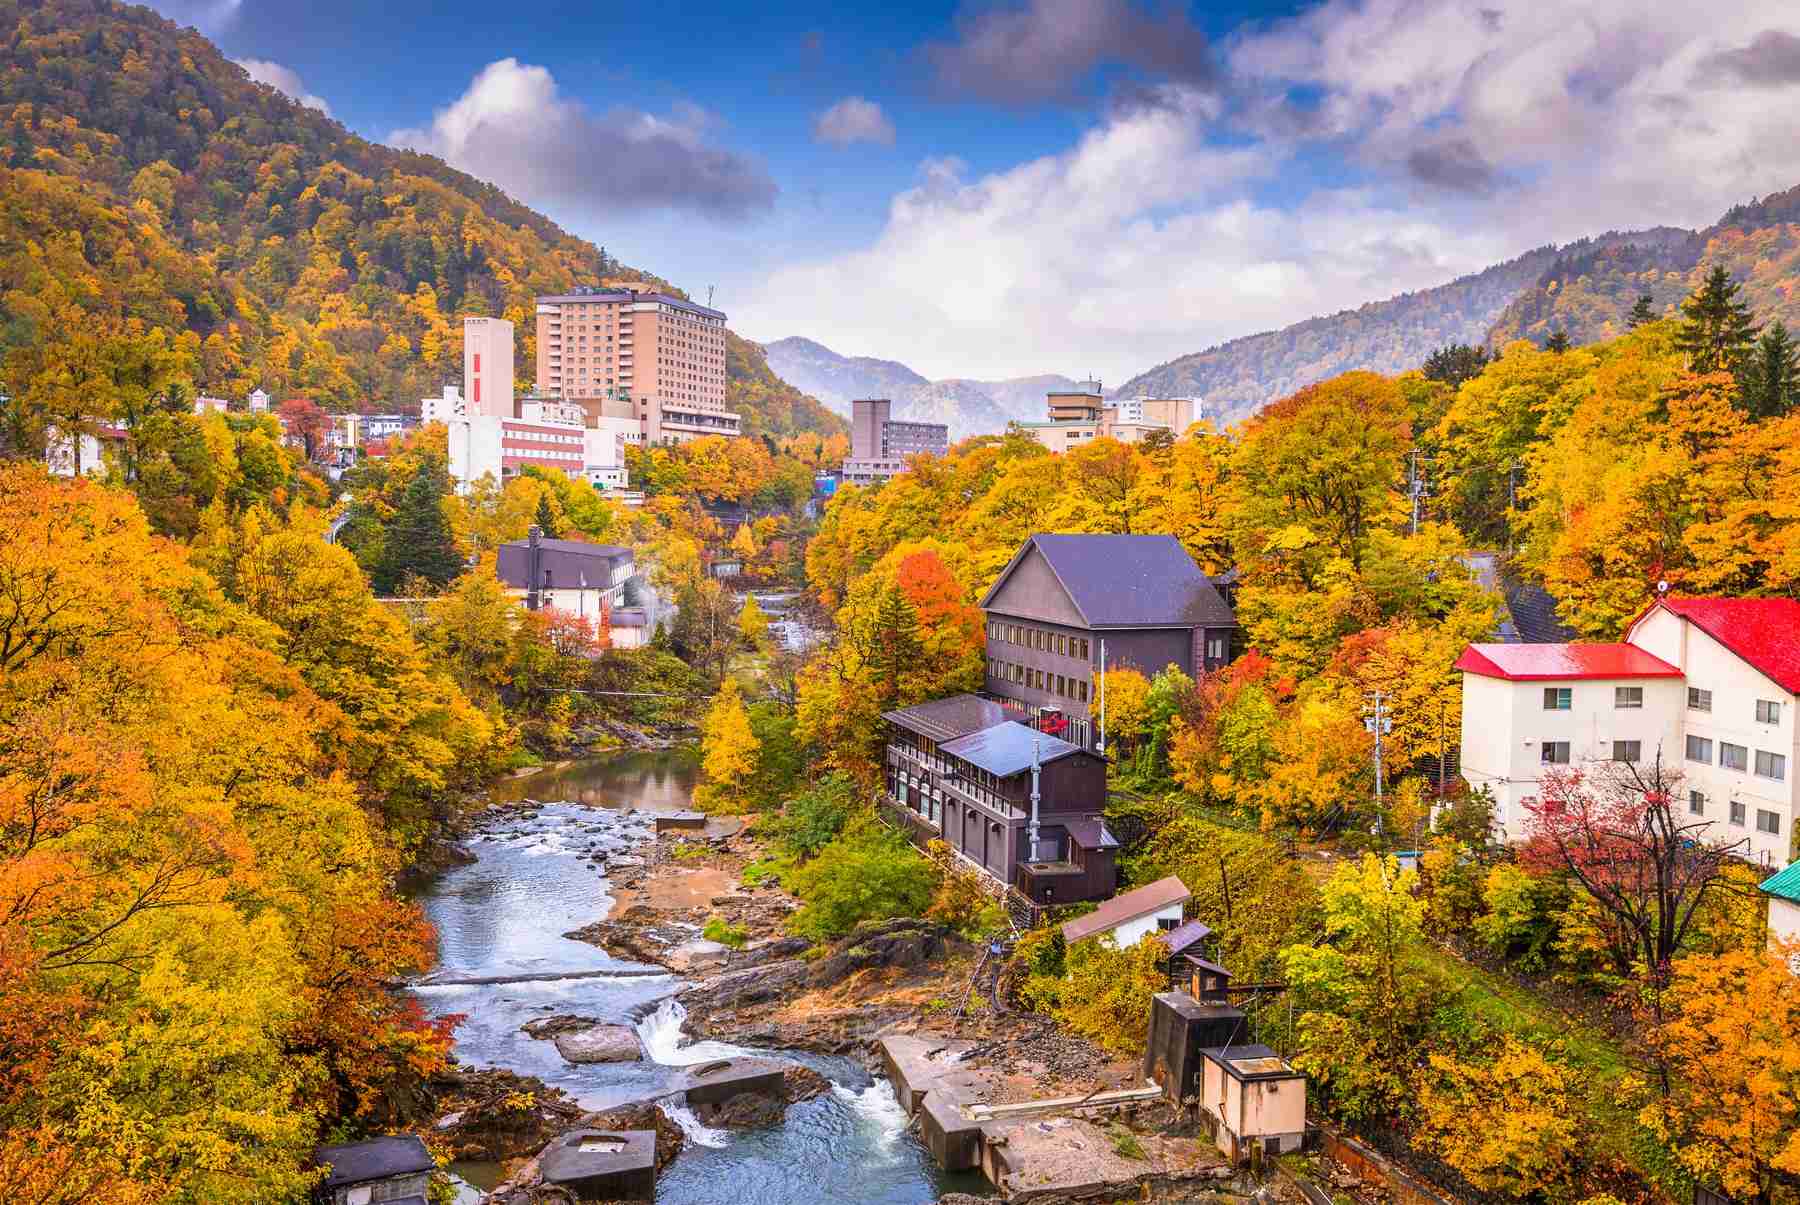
[(1080, 416), (488, 366), (1707, 684), (879, 445), (623, 351)]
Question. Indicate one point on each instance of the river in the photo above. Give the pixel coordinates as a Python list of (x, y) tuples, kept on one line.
[(505, 914)]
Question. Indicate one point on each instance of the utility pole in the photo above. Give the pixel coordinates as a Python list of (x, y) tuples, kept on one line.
[(1377, 721), (1100, 748), (1512, 501), (1415, 483)]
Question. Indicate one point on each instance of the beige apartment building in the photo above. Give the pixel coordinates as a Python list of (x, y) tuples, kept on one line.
[(622, 350), (880, 445), (1079, 417)]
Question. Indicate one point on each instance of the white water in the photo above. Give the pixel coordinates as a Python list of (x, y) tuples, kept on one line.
[(877, 1108), (665, 1043)]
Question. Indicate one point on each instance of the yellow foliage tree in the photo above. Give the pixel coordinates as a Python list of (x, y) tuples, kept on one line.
[(1507, 1125), (728, 751)]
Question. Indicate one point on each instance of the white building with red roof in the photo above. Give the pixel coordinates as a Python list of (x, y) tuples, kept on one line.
[(1710, 682)]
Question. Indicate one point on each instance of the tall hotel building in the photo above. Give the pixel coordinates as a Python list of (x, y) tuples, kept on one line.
[(622, 351)]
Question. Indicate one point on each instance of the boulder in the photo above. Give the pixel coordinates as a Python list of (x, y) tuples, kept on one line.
[(600, 1044), (549, 1027)]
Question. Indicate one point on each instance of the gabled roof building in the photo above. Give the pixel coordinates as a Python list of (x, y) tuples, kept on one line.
[(1710, 684), (1065, 601)]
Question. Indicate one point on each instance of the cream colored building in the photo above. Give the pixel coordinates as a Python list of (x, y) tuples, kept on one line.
[(1252, 1097), (1711, 682), (626, 351), (1078, 417)]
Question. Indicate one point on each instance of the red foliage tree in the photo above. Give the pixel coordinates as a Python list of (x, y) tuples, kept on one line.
[(1616, 828), (305, 421)]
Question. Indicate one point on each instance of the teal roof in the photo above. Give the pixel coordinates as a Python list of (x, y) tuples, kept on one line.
[(1786, 884)]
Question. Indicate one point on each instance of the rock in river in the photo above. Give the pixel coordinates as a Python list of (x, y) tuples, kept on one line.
[(600, 1044)]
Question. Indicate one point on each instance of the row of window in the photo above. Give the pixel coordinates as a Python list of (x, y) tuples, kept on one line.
[(1037, 638), (1074, 689), (1766, 821), (1562, 698), (1737, 757)]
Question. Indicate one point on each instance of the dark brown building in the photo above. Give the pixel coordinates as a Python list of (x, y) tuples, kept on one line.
[(1062, 596), (960, 771)]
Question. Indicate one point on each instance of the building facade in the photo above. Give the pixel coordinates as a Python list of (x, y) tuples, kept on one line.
[(488, 366), (624, 351), (1064, 602), (547, 434), (1711, 683), (588, 580), (1078, 417), (880, 444), (959, 771)]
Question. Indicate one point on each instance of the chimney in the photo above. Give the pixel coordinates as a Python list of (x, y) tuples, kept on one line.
[(534, 568)]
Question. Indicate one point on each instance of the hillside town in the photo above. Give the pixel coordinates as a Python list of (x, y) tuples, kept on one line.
[(477, 726)]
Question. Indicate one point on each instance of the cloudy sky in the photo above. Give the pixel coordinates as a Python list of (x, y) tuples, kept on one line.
[(1080, 186)]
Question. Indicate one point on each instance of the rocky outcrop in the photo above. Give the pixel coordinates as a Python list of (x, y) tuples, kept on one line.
[(751, 1110), (494, 1115), (897, 943), (549, 1027), (600, 1044), (670, 1137)]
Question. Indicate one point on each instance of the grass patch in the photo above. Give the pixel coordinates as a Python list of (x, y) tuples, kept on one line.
[(725, 933), (1125, 1144), (686, 851)]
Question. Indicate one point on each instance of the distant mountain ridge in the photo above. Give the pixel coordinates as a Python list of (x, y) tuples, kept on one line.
[(1586, 288), (968, 407)]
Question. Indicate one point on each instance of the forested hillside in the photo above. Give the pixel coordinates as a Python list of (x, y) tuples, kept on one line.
[(144, 178), (1589, 292)]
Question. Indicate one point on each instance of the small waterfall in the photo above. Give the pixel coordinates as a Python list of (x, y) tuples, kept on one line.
[(663, 1040), (877, 1108), (698, 1134)]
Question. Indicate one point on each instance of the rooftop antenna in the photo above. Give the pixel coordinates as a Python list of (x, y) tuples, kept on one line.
[(709, 293)]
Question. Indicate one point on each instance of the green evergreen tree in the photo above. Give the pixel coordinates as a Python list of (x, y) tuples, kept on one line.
[(418, 541), (894, 645), (1770, 382), (1558, 342), (546, 518), (1716, 332), (1455, 363), (1642, 312)]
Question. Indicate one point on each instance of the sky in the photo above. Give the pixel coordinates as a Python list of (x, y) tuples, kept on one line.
[(997, 188)]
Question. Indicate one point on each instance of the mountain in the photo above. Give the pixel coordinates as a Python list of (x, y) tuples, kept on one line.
[(1586, 288), (967, 407), (1238, 377), (1590, 290), (145, 177)]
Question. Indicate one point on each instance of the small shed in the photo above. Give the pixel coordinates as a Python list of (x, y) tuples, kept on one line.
[(1153, 908), (381, 1171), (1251, 1096)]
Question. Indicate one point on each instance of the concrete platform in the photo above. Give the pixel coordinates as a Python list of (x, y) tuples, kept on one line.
[(1071, 1157), (603, 1165), (948, 1132), (680, 822), (718, 1081), (914, 1064)]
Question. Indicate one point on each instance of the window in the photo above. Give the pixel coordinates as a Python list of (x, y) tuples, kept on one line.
[(1737, 813), (1768, 822), (1699, 749), (1771, 765), (1696, 803), (1699, 700), (1628, 696), (1215, 648), (1168, 923), (1733, 757), (1555, 753), (1558, 698), (1768, 711), (1062, 685), (1627, 750), (1084, 649), (1084, 692), (1062, 645)]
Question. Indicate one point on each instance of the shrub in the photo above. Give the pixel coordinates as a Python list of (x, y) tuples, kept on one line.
[(814, 818), (726, 934), (963, 903), (1106, 993), (1507, 1125), (868, 872), (1517, 920)]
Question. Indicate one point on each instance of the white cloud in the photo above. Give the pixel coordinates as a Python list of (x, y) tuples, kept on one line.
[(853, 119), (284, 80), (1467, 134), (513, 127), (208, 16)]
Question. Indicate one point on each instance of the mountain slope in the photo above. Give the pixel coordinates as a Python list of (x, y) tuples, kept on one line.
[(1590, 290), (292, 253), (967, 407), (1237, 377)]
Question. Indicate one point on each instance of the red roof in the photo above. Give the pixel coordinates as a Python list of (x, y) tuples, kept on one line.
[(1763, 631), (1549, 662)]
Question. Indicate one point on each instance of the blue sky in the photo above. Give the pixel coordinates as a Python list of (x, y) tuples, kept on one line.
[(1001, 187)]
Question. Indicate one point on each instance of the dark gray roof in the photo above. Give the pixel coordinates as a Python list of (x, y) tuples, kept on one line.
[(376, 1159), (567, 561), (1128, 581), (1182, 936), (1533, 611), (947, 719), (1006, 748), (1091, 834)]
